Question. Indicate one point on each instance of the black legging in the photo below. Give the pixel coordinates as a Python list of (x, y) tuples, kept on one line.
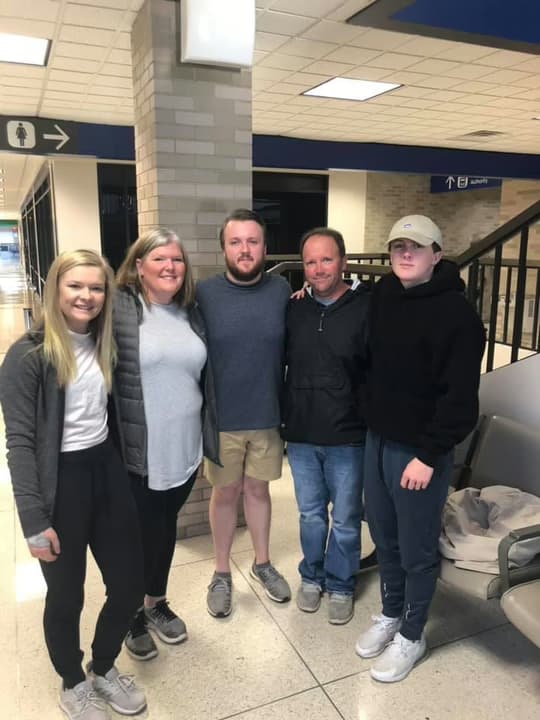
[(93, 508), (158, 510)]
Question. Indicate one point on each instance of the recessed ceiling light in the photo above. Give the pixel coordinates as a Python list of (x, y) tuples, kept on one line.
[(350, 89), (23, 49)]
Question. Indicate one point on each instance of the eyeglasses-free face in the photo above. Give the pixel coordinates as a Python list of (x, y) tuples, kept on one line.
[(412, 263)]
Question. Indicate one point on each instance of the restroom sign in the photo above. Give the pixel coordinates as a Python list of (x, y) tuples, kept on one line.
[(21, 134), (40, 136)]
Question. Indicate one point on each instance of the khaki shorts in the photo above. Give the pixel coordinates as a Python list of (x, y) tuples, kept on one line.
[(255, 453)]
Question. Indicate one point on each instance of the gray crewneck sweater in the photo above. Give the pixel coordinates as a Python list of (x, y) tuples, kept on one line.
[(246, 336)]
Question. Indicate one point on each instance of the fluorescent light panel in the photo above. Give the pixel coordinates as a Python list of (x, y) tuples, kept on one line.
[(23, 49), (350, 89)]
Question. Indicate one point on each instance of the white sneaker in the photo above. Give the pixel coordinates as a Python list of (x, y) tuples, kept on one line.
[(373, 640), (398, 659)]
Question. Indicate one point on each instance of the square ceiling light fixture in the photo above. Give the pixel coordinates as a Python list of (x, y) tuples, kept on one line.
[(349, 89), (218, 32), (24, 49)]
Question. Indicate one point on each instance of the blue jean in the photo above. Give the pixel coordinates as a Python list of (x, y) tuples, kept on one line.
[(323, 475), (405, 526)]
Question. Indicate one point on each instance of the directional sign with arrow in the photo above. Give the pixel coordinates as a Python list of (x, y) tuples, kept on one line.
[(453, 183), (39, 136)]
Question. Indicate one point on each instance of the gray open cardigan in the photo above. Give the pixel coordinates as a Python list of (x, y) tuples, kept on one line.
[(128, 389)]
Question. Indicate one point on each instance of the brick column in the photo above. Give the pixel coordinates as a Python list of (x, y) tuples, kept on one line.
[(193, 157), (192, 137)]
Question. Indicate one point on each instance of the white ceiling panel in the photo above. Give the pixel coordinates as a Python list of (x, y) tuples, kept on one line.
[(333, 32), (283, 24)]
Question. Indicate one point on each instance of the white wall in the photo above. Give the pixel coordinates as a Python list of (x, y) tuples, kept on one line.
[(513, 391), (76, 204), (347, 207)]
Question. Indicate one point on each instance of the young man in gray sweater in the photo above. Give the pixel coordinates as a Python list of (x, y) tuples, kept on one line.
[(244, 310)]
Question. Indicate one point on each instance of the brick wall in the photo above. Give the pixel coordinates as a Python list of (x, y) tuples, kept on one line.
[(464, 217)]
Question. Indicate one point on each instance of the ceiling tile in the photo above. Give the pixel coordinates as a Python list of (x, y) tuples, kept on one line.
[(283, 24), (433, 66), (380, 40), (86, 35), (463, 52), (332, 32), (311, 8), (504, 58), (92, 17), (75, 64), (332, 69), (426, 46), (76, 50), (354, 55), (268, 41), (363, 72), (506, 76), (30, 10), (285, 62), (469, 71), (307, 48), (393, 61)]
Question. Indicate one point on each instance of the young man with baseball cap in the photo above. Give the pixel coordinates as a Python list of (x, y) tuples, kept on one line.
[(426, 344)]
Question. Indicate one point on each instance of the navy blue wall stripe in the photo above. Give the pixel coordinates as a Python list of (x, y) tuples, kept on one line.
[(285, 152)]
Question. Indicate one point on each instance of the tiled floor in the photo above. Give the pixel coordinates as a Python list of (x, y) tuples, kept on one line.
[(269, 661)]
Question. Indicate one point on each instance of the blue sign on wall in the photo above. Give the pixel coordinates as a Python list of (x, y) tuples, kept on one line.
[(458, 183)]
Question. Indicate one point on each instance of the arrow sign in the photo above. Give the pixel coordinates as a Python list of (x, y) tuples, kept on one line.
[(39, 136), (459, 183), (62, 136)]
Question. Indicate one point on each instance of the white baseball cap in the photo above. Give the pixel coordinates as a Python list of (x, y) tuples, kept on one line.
[(418, 228)]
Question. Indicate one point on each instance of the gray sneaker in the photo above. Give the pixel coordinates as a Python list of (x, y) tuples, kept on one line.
[(166, 623), (219, 597), (308, 597), (82, 703), (119, 691), (340, 608), (275, 585), (139, 643)]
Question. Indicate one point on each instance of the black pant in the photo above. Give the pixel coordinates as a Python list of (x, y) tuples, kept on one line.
[(158, 510), (93, 508), (405, 526)]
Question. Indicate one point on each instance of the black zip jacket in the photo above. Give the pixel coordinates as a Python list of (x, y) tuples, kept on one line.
[(324, 391), (426, 345)]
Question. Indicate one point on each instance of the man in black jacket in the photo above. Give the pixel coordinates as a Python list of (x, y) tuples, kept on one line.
[(323, 422), (426, 344)]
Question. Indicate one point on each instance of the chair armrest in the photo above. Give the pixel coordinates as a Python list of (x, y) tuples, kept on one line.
[(514, 536)]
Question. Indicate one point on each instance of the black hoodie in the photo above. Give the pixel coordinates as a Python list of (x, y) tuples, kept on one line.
[(426, 345)]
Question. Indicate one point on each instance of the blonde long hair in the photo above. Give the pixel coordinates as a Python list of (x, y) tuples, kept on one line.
[(57, 346), (128, 274)]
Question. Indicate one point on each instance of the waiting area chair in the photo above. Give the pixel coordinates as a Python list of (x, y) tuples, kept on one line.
[(504, 452)]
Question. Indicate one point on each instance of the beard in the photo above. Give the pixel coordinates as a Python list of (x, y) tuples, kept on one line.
[(245, 275)]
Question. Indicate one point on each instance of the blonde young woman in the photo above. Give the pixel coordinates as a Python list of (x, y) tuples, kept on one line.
[(161, 370), (70, 485)]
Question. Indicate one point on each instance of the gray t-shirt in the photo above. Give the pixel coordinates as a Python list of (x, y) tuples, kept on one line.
[(246, 337), (172, 358)]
